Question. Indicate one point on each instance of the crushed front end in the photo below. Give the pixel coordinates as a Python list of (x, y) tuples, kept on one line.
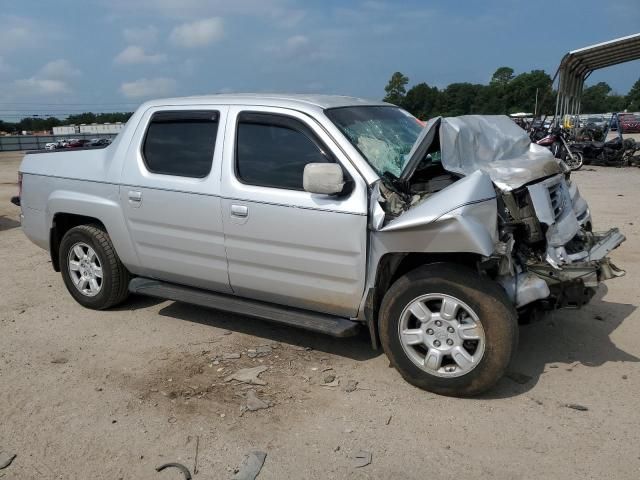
[(548, 254)]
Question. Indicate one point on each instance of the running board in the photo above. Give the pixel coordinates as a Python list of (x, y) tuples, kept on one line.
[(317, 322)]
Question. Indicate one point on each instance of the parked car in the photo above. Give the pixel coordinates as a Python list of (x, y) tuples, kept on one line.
[(51, 146), (100, 142), (597, 121), (328, 213), (81, 143), (629, 123)]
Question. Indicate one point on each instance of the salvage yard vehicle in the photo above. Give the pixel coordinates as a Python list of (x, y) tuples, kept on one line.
[(327, 213)]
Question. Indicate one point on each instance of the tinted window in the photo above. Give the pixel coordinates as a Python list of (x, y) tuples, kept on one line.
[(181, 143), (272, 150)]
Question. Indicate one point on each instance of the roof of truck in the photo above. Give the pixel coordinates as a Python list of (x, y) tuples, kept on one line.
[(270, 99)]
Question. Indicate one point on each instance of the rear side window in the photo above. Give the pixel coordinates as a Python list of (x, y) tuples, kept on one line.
[(272, 150), (181, 143)]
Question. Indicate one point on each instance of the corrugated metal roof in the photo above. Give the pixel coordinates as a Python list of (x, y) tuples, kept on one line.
[(577, 65)]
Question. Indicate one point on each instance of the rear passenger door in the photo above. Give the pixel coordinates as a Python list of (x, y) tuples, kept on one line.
[(285, 245), (170, 195)]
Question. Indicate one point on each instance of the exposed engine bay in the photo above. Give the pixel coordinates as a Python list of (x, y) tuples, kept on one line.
[(540, 246)]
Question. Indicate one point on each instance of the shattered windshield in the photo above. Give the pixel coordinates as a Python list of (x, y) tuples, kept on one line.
[(383, 135)]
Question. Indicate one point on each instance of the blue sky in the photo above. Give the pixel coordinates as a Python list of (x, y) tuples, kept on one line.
[(103, 55)]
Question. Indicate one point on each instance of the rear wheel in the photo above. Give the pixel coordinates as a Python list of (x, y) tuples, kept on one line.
[(447, 330), (91, 269)]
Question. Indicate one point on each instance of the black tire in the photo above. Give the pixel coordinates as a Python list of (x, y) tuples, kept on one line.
[(492, 307), (115, 277)]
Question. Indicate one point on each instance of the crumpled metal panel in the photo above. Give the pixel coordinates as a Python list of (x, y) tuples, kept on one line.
[(497, 146)]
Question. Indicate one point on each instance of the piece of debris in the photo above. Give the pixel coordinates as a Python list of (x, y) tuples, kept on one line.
[(389, 420), (517, 377), (599, 317), (60, 360), (576, 406), (6, 459), (254, 403), (185, 471), (351, 386), (264, 350), (227, 332), (624, 377), (195, 461), (330, 378), (248, 375), (250, 466), (362, 459), (231, 356)]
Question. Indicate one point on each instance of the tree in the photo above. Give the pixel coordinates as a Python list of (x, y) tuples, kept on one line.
[(395, 89), (522, 91), (633, 98), (594, 98), (460, 99), (502, 76), (422, 100)]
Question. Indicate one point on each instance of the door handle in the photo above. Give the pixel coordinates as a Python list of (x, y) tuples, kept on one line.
[(135, 197), (239, 211)]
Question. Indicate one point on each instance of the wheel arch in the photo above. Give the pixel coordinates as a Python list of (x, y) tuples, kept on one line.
[(394, 265), (61, 223)]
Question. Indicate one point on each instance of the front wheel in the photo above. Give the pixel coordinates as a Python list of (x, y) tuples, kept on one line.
[(576, 162), (447, 330), (91, 269)]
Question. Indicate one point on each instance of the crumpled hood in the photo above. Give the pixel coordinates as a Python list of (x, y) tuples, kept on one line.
[(491, 143)]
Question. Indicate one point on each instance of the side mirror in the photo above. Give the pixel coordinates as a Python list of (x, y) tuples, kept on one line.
[(324, 178)]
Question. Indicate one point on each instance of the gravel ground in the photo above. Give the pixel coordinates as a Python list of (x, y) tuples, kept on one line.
[(114, 394)]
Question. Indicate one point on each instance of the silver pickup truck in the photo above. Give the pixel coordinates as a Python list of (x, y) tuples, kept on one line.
[(327, 213)]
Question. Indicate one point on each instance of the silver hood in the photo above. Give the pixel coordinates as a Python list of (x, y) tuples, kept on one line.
[(491, 143)]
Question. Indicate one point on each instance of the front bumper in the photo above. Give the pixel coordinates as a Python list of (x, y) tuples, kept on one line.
[(574, 283)]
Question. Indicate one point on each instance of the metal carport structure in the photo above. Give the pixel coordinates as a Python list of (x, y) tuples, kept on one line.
[(577, 65)]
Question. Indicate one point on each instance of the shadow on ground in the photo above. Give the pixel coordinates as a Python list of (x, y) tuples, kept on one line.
[(356, 348), (566, 338), (7, 223)]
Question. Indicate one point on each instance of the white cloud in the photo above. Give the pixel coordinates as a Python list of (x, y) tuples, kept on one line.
[(18, 33), (198, 34), (148, 87), (59, 69), (134, 54), (141, 35), (40, 86), (298, 47)]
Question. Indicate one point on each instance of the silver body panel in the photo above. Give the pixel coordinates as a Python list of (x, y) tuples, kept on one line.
[(311, 251)]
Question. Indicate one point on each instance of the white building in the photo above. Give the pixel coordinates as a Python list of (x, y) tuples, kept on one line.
[(94, 128)]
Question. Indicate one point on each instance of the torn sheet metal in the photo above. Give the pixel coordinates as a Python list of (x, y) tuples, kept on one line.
[(475, 188), (496, 145)]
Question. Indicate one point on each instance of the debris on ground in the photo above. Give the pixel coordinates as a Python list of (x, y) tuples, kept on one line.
[(231, 356), (250, 466), (185, 471), (248, 375), (517, 377), (6, 459), (599, 317), (60, 360), (330, 378), (254, 403), (389, 420), (624, 377), (351, 386), (362, 459), (576, 406)]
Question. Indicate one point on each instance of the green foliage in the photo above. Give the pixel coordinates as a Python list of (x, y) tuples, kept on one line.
[(502, 76), (633, 98), (396, 88), (34, 124), (506, 93)]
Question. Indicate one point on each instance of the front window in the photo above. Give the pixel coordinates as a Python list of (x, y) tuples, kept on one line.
[(383, 135)]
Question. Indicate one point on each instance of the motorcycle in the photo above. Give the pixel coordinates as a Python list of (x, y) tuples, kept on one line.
[(557, 142), (614, 153)]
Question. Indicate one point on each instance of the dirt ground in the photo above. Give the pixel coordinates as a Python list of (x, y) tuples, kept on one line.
[(110, 395)]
